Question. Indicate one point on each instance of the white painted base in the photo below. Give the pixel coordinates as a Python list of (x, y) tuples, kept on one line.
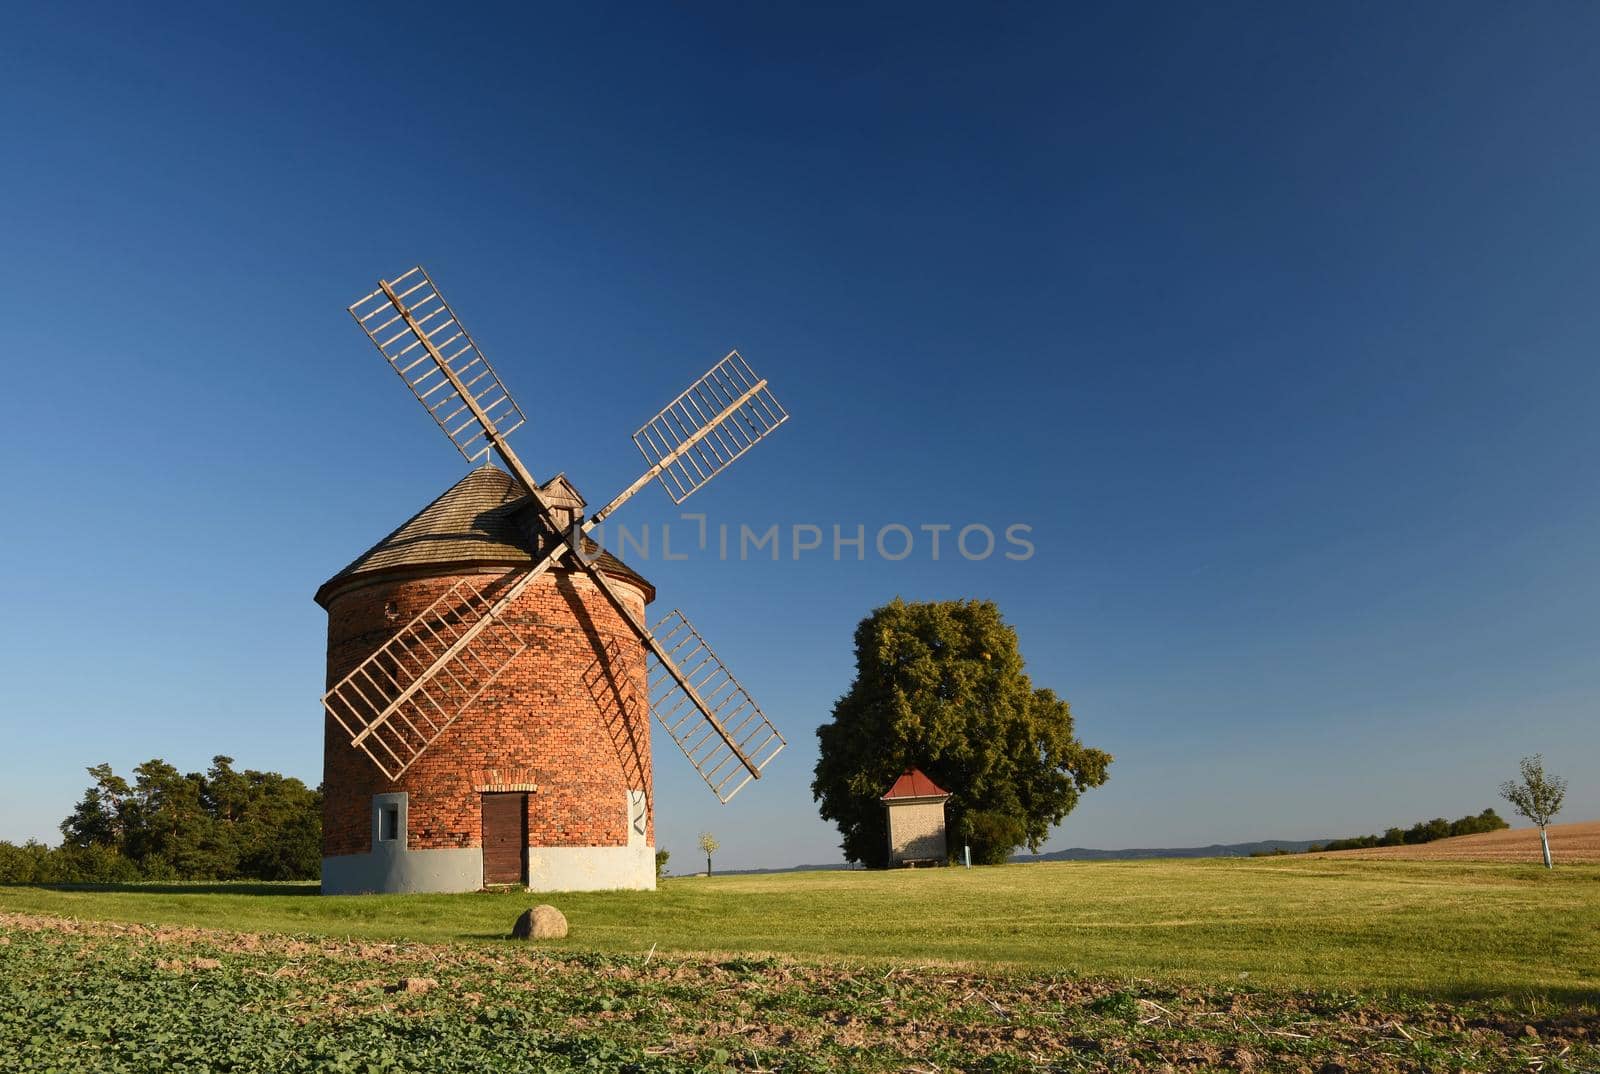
[(394, 869), (592, 868)]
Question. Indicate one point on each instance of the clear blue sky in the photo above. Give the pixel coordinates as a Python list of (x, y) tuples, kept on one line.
[(1279, 326)]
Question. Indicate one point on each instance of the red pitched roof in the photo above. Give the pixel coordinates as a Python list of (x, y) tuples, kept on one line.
[(914, 784)]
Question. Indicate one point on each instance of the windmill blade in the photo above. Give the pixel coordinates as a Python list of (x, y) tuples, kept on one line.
[(418, 333), (718, 418), (712, 758), (389, 704), (398, 701), (711, 717)]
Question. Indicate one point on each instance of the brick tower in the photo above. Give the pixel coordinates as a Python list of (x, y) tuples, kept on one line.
[(544, 779)]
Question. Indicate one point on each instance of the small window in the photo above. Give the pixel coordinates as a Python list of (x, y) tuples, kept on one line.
[(389, 822)]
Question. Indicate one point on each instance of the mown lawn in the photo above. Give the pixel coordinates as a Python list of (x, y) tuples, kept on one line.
[(1441, 929)]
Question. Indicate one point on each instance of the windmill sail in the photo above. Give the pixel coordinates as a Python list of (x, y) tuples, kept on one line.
[(405, 695), (398, 701), (717, 418), (730, 740), (415, 329)]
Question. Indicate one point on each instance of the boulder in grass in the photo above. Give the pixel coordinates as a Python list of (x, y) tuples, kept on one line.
[(540, 923)]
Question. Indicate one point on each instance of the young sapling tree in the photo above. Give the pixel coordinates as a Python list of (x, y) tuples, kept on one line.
[(1538, 796), (709, 844)]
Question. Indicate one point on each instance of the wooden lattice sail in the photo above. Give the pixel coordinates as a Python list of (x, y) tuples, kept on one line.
[(406, 694), (722, 731)]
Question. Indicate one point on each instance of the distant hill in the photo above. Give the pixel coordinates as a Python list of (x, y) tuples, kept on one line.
[(1570, 842), (836, 866), (1215, 850)]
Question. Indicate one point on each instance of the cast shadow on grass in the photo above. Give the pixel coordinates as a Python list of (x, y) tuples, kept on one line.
[(188, 887)]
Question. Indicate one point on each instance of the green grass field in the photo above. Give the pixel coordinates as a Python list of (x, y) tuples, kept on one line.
[(1438, 929), (1272, 964)]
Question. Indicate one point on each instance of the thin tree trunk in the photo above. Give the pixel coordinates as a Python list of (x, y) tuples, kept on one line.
[(1544, 842), (708, 862)]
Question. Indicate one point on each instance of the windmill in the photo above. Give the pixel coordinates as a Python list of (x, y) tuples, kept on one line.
[(411, 692)]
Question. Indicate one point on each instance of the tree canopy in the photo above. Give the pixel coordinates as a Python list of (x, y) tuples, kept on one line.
[(941, 686), (221, 825), (1538, 795)]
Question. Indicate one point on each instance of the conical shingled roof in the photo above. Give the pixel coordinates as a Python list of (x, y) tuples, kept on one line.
[(472, 524)]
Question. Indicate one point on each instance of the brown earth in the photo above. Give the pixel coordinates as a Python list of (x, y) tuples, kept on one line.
[(1579, 841)]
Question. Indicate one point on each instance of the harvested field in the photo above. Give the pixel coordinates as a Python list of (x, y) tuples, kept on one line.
[(103, 996), (1578, 842)]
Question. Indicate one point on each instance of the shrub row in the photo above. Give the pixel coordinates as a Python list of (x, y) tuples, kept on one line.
[(1424, 831)]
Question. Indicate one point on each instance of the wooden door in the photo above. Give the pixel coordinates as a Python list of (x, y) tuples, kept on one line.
[(505, 839)]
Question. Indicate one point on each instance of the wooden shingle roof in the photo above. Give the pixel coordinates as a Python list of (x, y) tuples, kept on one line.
[(473, 523)]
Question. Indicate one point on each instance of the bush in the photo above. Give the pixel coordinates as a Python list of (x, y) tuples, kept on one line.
[(1424, 831), (661, 862), (23, 864), (993, 835), (34, 863), (1487, 821)]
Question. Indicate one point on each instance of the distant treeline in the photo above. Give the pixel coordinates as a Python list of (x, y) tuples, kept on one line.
[(1424, 831), (220, 825)]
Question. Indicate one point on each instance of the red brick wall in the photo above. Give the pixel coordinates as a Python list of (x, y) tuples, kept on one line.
[(568, 716)]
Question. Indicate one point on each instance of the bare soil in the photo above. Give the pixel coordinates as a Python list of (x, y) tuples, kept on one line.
[(1577, 842)]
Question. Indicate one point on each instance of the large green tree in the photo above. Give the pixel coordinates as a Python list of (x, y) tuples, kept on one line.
[(941, 686)]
